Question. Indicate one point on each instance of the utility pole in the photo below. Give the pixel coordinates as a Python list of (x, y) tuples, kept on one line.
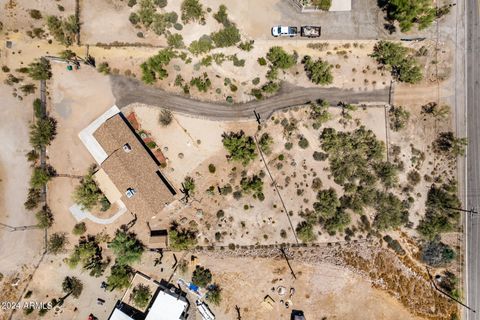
[(257, 116)]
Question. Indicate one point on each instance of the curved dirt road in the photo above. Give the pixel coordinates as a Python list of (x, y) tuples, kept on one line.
[(128, 91)]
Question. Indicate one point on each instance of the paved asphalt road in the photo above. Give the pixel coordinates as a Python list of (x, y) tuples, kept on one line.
[(473, 156), (128, 91)]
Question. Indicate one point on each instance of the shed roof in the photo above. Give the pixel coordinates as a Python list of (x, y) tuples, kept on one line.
[(133, 167)]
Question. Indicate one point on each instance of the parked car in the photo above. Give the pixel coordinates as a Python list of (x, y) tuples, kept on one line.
[(284, 31), (310, 31)]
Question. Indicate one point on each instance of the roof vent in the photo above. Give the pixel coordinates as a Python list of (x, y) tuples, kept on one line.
[(127, 148), (130, 192)]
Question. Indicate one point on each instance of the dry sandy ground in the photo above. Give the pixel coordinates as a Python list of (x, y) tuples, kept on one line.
[(322, 290), (21, 247), (199, 142)]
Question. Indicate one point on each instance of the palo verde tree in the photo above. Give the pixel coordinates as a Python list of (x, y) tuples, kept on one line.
[(72, 286), (181, 239), (40, 69), (119, 277), (318, 71), (42, 132), (201, 276), (141, 295)]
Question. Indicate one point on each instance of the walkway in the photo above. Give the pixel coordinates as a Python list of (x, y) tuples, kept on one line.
[(80, 214)]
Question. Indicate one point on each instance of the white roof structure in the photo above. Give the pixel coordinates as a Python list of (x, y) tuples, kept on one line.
[(119, 315), (166, 307), (86, 135)]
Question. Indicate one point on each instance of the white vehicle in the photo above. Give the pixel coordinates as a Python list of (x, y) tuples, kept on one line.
[(284, 31)]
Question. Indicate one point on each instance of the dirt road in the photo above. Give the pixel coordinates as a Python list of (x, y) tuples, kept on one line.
[(128, 91)]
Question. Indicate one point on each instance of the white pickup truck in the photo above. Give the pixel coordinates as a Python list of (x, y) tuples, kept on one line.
[(284, 31)]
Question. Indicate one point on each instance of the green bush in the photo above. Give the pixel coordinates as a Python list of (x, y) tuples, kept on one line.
[(221, 16), (239, 146), (390, 211), (202, 83), (40, 69), (35, 14), (227, 37), (201, 276), (319, 71), (40, 177), (126, 247), (88, 254), (446, 142), (87, 194), (104, 68), (63, 30), (134, 18), (192, 10), (211, 168), (200, 46), (153, 68), (327, 203), (175, 40), (409, 13), (56, 243), (265, 143), (305, 232), (165, 117), (214, 294), (398, 117), (319, 113), (303, 142), (79, 229), (141, 295), (246, 45), (262, 61), (44, 218), (161, 3), (253, 185), (119, 277), (322, 4), (404, 68), (181, 239), (280, 59), (131, 3)]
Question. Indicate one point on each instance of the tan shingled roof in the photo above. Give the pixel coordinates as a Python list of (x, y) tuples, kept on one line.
[(135, 169)]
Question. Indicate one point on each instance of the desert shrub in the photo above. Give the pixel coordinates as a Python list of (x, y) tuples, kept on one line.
[(226, 189), (87, 194), (214, 294), (436, 111), (338, 222), (79, 229), (390, 211), (211, 168), (221, 16), (104, 68), (56, 243), (131, 3), (414, 177), (437, 254), (279, 58), (262, 61), (288, 145), (134, 18), (271, 87), (398, 117), (239, 146), (161, 3), (403, 67), (394, 245), (319, 156), (265, 143), (44, 218), (226, 37), (447, 143), (201, 276), (202, 83), (387, 173), (40, 177), (410, 13), (192, 10), (119, 277), (253, 185), (305, 232), (175, 40), (439, 217), (246, 45), (319, 71), (319, 113), (33, 199), (237, 62), (35, 14), (165, 117), (28, 88), (303, 142), (42, 132), (63, 30), (153, 68), (327, 203), (40, 69), (141, 295), (200, 46), (181, 239), (316, 184), (189, 184), (322, 4), (126, 247)]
